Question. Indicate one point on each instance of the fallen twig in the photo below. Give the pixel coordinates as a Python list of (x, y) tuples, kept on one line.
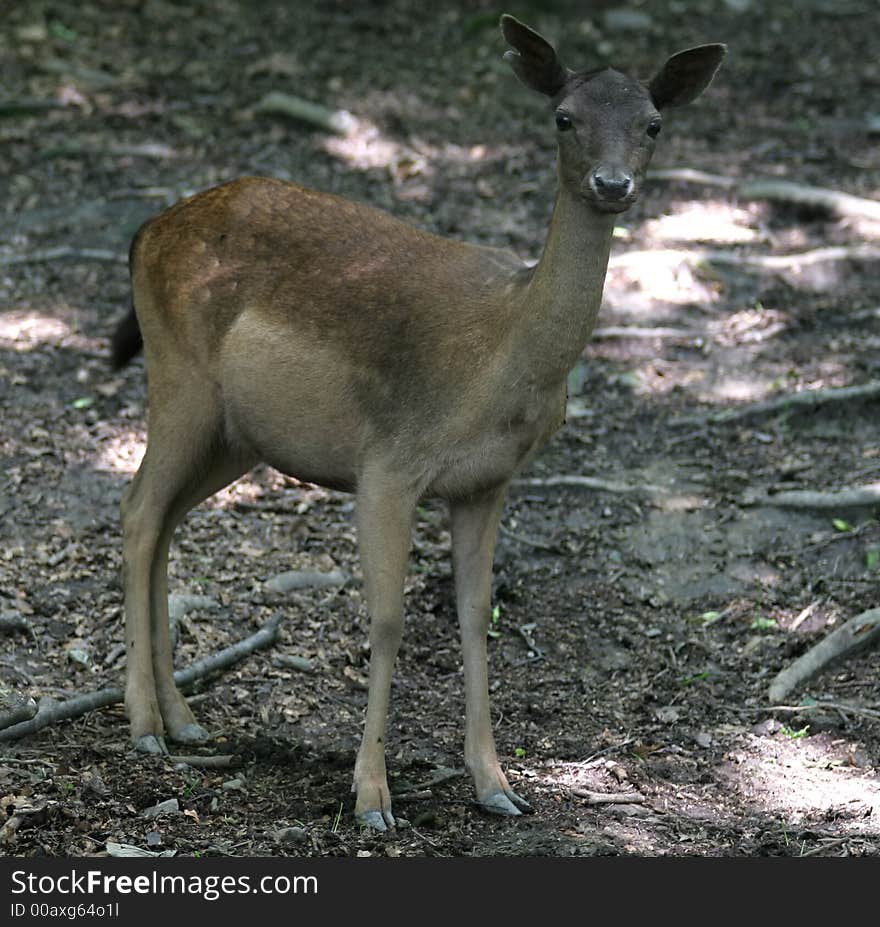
[(525, 632), (576, 481), (63, 252), (524, 539), (841, 204), (807, 399), (842, 707), (419, 795), (824, 847), (858, 633), (15, 709), (788, 261), (51, 711), (690, 175), (609, 798), (330, 120), (623, 331), (838, 501), (218, 761)]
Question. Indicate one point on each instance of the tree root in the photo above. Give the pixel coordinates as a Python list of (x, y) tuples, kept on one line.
[(783, 191), (790, 402), (51, 711), (858, 633), (609, 798), (216, 761), (15, 708), (64, 252), (858, 497), (575, 481)]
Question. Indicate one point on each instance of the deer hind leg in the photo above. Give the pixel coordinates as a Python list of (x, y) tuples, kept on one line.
[(474, 528), (385, 515), (185, 462)]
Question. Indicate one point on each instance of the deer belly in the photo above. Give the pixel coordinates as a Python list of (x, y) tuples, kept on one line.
[(288, 403)]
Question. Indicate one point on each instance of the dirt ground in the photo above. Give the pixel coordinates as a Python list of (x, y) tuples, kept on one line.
[(636, 632)]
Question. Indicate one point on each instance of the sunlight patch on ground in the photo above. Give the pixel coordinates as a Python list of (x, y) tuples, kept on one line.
[(742, 388), (640, 283), (23, 330), (121, 453), (365, 147), (749, 326), (802, 777), (704, 221)]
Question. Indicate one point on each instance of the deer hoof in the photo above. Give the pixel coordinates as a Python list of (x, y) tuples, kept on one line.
[(190, 734), (507, 804), (151, 743), (376, 820)]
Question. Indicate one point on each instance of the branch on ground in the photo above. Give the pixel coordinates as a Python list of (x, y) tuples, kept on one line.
[(15, 708), (339, 121), (609, 798), (782, 191), (789, 402), (51, 711), (858, 633), (63, 252), (857, 497), (575, 481)]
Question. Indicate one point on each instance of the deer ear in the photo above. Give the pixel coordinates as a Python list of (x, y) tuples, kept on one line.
[(532, 58), (686, 75)]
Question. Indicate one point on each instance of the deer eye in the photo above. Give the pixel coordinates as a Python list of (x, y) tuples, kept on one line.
[(654, 127), (563, 121)]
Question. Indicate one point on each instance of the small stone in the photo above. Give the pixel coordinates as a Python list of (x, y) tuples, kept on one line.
[(78, 655), (170, 806), (704, 739), (232, 784), (181, 603), (291, 835), (292, 661), (305, 579)]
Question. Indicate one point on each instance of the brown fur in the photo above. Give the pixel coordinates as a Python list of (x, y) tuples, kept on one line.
[(347, 348)]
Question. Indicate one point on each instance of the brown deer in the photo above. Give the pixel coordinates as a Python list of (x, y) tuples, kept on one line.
[(348, 349)]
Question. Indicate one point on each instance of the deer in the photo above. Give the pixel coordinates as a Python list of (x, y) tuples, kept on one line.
[(349, 349)]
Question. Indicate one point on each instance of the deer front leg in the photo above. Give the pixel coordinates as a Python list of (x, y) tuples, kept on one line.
[(385, 514), (474, 528)]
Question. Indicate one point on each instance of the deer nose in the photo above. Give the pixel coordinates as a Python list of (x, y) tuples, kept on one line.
[(610, 183)]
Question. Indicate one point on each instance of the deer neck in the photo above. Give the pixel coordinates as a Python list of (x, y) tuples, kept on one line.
[(562, 296)]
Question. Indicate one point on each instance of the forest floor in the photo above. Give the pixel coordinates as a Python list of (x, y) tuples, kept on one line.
[(636, 633)]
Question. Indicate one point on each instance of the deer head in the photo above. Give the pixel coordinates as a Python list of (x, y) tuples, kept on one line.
[(606, 122)]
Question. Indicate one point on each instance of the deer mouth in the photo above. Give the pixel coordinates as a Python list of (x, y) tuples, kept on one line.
[(613, 206)]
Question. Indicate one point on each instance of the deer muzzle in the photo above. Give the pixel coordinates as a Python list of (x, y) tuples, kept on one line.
[(612, 187)]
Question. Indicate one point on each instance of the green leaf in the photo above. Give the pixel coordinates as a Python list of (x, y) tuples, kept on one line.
[(872, 558), (763, 624), (83, 402), (520, 752), (841, 525), (792, 733), (710, 617), (60, 31), (690, 680)]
